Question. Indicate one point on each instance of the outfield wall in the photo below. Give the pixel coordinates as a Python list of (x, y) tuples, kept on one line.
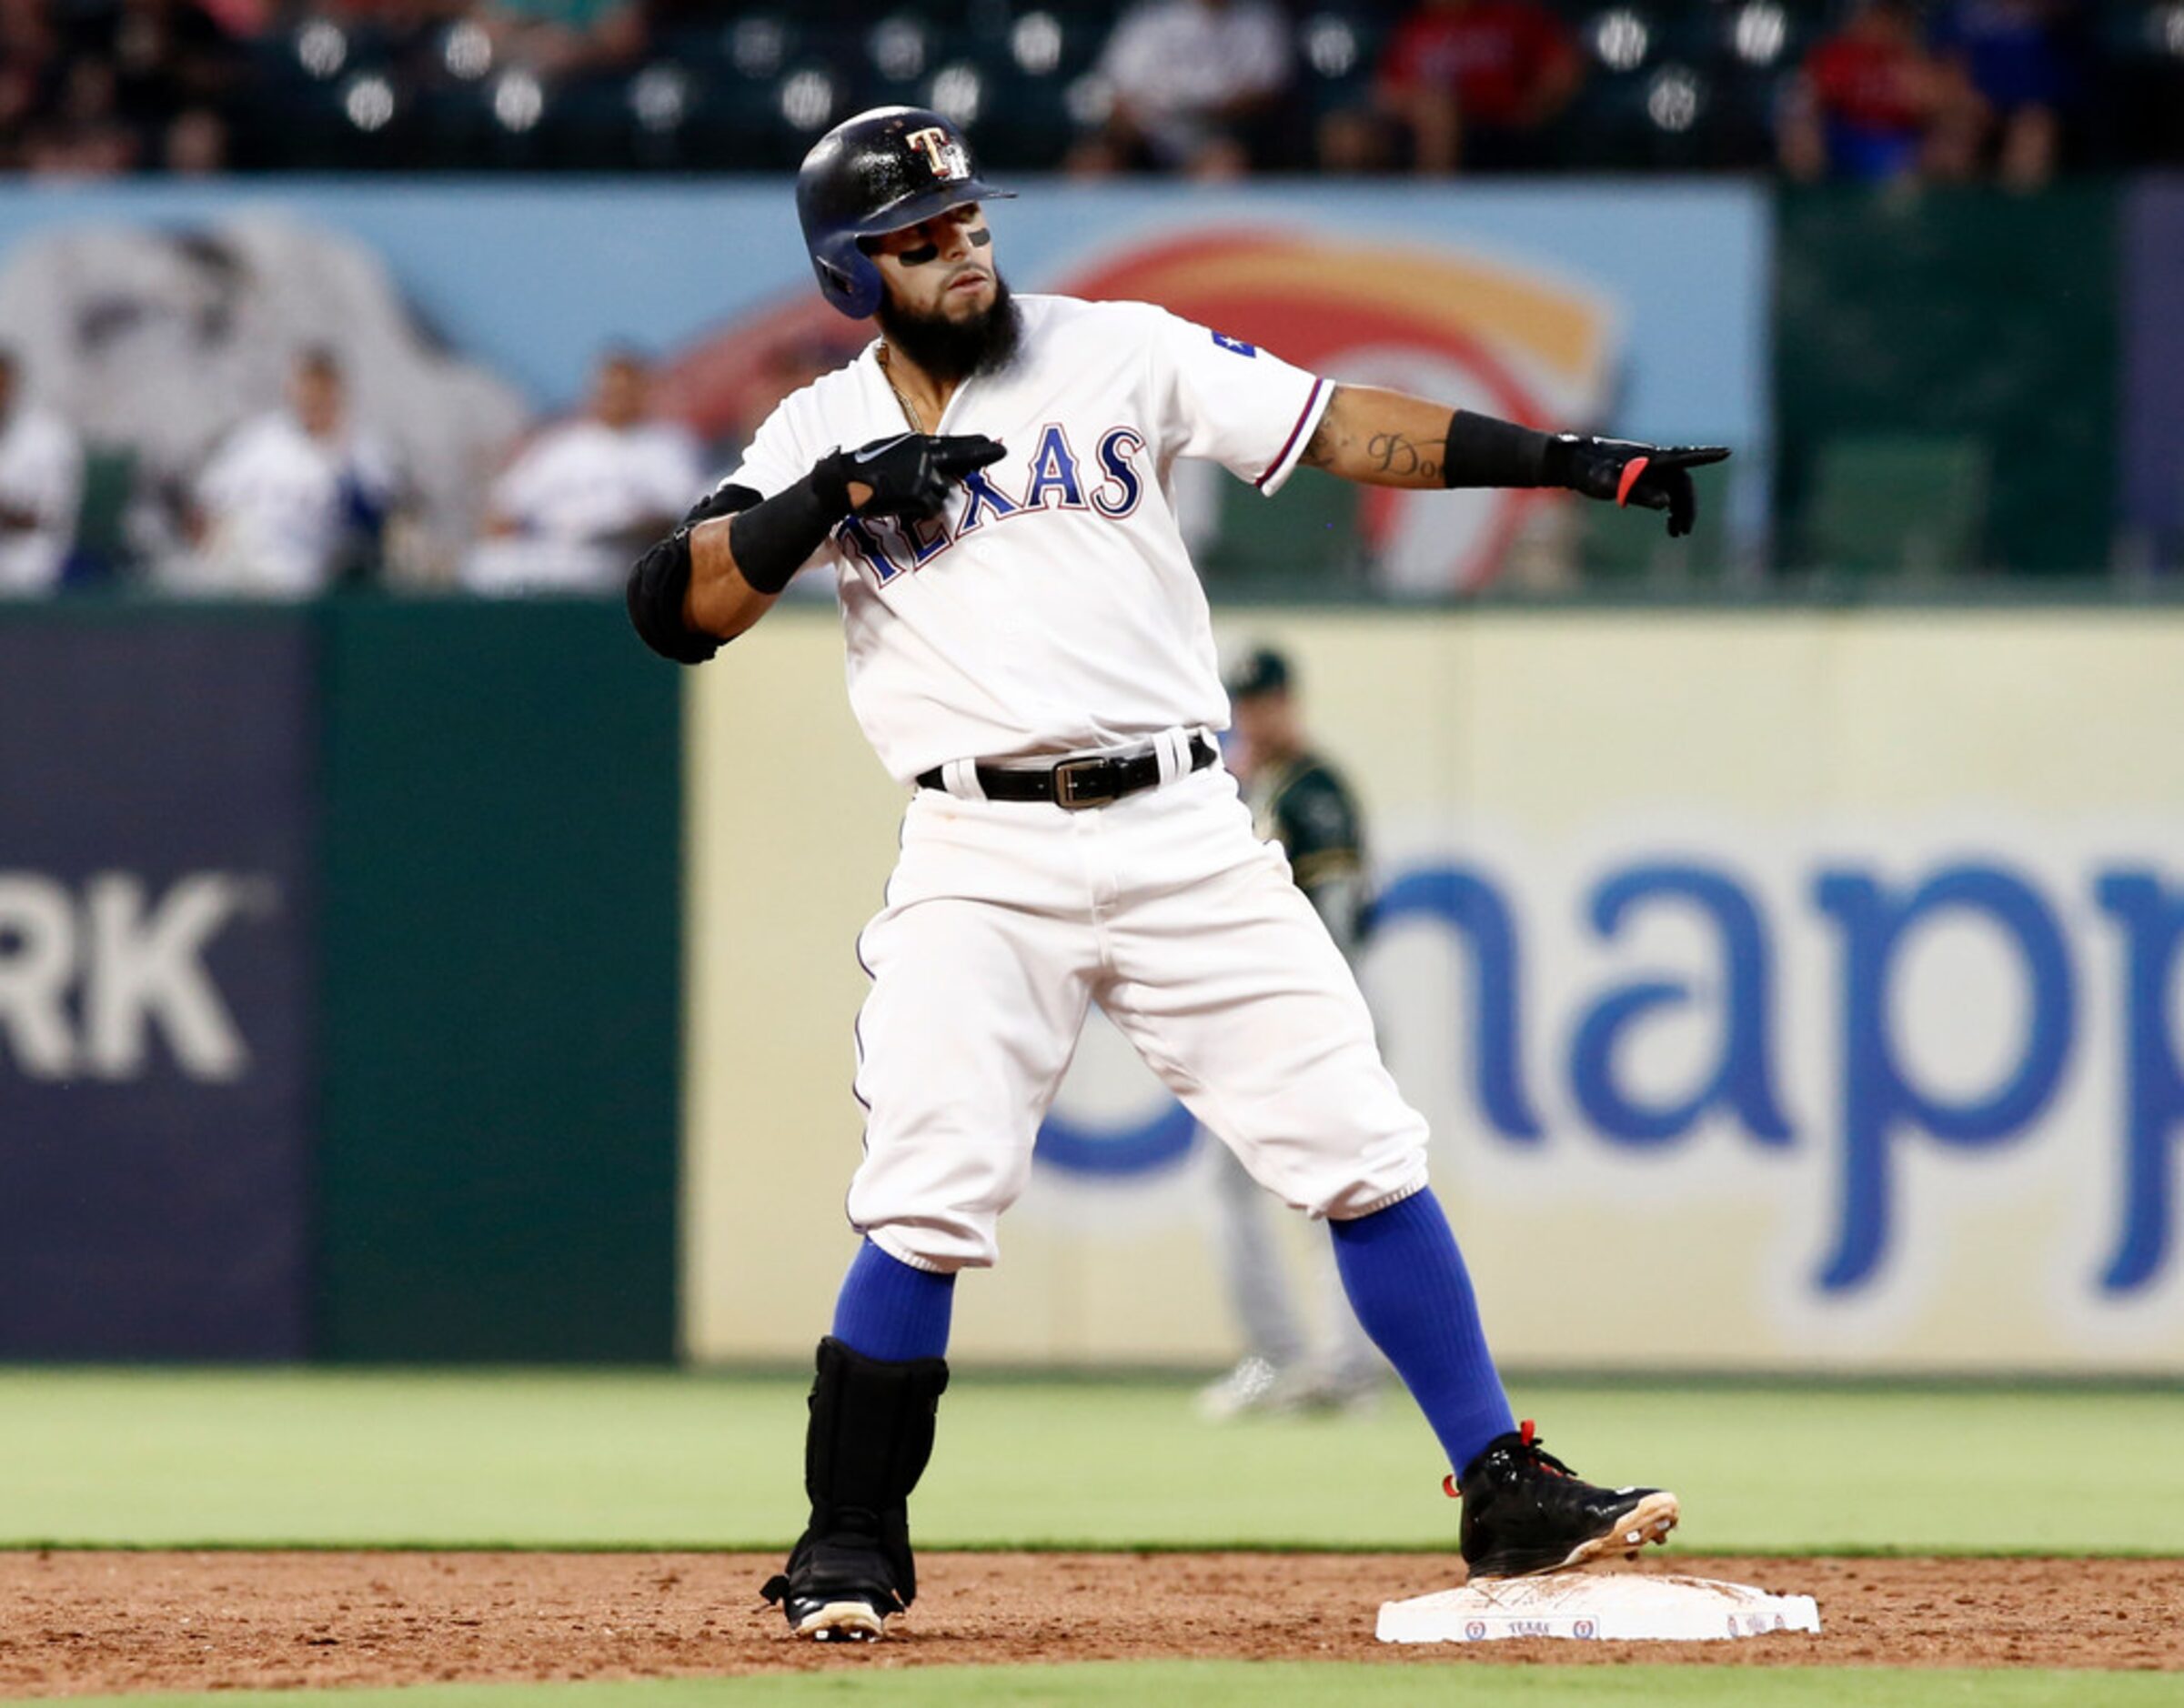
[(158, 905), (338, 970), (1785, 991)]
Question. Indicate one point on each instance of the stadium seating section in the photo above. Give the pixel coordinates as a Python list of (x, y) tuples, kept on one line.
[(1672, 84)]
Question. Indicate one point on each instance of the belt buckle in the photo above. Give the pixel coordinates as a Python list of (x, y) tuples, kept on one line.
[(1073, 797)]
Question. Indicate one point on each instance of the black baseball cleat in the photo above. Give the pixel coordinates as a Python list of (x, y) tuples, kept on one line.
[(839, 1590), (1526, 1512)]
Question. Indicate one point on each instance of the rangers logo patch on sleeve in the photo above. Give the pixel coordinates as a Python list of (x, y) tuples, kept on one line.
[(1236, 345)]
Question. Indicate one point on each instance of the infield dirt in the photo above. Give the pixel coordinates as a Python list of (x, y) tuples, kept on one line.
[(79, 1624)]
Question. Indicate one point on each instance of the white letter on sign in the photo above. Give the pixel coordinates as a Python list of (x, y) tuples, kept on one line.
[(37, 959), (144, 967)]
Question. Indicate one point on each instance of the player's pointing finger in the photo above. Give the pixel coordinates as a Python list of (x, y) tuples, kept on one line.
[(960, 453)]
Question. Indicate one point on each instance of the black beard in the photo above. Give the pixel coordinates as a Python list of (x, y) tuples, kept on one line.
[(951, 351)]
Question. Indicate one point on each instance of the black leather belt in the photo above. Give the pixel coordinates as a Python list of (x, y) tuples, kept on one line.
[(1075, 784)]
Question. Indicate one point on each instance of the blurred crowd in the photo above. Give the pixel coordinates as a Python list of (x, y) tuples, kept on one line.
[(1953, 89), (304, 498)]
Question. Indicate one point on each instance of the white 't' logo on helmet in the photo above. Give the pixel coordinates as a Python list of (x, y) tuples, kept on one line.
[(945, 159)]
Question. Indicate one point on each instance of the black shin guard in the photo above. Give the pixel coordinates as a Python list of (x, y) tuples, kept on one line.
[(869, 1437)]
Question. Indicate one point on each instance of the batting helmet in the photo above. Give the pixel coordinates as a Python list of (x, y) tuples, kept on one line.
[(1262, 670), (879, 172)]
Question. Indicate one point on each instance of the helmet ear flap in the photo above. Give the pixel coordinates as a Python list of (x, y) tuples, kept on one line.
[(848, 277)]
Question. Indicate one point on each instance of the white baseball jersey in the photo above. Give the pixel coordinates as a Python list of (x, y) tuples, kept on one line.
[(279, 499), (42, 473), (1178, 65), (575, 495), (1052, 608)]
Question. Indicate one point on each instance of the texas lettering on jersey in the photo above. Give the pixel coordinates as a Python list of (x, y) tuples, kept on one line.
[(1067, 616), (1057, 480)]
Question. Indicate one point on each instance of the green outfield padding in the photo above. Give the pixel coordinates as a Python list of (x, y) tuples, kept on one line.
[(1253, 1684), (496, 1170), (460, 1460)]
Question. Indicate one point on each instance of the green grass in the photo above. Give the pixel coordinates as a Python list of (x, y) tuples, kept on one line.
[(317, 1459), (1245, 1684)]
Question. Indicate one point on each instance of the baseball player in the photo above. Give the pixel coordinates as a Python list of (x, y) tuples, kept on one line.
[(1032, 656), (1299, 800), (583, 494), (293, 499), (41, 487)]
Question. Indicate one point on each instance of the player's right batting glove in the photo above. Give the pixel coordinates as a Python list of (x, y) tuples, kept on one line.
[(1625, 471), (909, 475)]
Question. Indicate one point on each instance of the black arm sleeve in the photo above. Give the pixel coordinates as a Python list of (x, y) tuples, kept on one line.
[(774, 539), (1485, 452)]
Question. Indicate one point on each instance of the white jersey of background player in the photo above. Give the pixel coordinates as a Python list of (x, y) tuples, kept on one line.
[(566, 514), (291, 497), (40, 485), (990, 486)]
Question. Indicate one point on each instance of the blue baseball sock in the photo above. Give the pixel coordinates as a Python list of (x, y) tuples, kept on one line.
[(1407, 1283), (888, 1311)]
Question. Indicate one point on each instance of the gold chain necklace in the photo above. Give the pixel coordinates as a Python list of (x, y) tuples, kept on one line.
[(888, 374)]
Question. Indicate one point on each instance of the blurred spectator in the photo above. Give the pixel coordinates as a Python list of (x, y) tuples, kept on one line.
[(28, 51), (40, 485), (558, 38), (1196, 83), (196, 146), (585, 496), (1462, 85), (167, 55), (2018, 77), (405, 37), (293, 500), (1869, 101), (91, 89), (81, 133)]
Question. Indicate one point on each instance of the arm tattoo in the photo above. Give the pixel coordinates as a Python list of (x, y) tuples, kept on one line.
[(1319, 449), (1381, 438), (1399, 455)]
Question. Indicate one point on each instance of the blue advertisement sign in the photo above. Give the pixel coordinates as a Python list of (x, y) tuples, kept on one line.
[(1879, 1113), (156, 826)]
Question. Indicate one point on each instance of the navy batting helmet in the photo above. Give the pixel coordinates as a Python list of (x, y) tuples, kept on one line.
[(879, 172)]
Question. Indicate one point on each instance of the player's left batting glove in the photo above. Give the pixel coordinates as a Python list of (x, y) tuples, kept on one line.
[(908, 475), (1628, 472)]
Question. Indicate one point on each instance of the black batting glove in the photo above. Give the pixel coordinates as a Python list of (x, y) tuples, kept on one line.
[(909, 475), (1628, 472), (723, 500)]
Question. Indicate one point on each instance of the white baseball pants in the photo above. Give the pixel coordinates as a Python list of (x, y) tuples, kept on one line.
[(1006, 922)]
